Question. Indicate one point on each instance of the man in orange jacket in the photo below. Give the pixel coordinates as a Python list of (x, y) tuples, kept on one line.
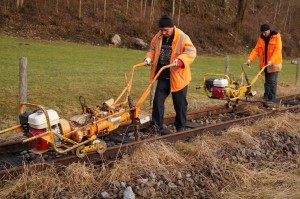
[(170, 46), (269, 50)]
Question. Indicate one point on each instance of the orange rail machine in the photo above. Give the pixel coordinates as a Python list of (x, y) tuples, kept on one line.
[(82, 133)]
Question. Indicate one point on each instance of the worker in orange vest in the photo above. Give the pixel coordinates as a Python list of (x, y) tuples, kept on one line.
[(170, 46), (269, 50)]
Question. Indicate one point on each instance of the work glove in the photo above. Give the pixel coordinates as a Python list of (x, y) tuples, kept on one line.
[(248, 62), (147, 61), (178, 63), (269, 63)]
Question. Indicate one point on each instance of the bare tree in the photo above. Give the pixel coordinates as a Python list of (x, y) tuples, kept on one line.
[(145, 9), (104, 11), (37, 7), (151, 11), (18, 4), (287, 15), (21, 3), (275, 13), (179, 10), (141, 9), (242, 5), (153, 3), (68, 4), (173, 9), (127, 6), (79, 10), (56, 7), (95, 7)]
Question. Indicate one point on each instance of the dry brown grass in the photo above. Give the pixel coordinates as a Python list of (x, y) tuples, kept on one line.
[(270, 180), (279, 180), (75, 181), (278, 183), (253, 108), (208, 155), (157, 157), (33, 184), (202, 102), (286, 122)]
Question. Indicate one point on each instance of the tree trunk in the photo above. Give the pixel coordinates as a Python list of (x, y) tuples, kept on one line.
[(145, 9), (37, 7), (68, 4), (141, 10), (151, 12), (104, 11), (287, 15), (275, 14), (179, 13), (127, 6), (79, 10), (57, 7), (173, 9), (242, 5)]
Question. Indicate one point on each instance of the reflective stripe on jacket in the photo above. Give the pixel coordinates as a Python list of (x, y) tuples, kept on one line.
[(274, 53), (182, 48)]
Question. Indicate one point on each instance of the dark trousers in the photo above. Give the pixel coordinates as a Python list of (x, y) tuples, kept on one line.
[(179, 101), (270, 85)]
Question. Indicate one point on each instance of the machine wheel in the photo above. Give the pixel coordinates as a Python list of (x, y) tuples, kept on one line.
[(79, 153), (98, 141), (232, 104)]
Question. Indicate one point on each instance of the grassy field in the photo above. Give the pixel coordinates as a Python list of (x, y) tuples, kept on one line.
[(60, 72)]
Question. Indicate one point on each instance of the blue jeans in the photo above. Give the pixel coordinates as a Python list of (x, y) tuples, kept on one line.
[(270, 85)]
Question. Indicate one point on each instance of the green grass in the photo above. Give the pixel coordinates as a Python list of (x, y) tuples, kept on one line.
[(59, 72)]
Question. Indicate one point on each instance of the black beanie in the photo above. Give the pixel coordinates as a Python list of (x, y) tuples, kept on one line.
[(165, 21), (264, 27)]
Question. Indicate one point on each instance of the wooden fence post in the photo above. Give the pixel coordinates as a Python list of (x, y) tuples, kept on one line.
[(227, 65), (23, 80), (297, 71)]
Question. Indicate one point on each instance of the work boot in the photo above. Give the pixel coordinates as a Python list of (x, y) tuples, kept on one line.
[(180, 129), (277, 101), (164, 131), (153, 129)]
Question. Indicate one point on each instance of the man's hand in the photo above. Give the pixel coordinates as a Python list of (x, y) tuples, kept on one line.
[(178, 63), (269, 63), (248, 62), (147, 61)]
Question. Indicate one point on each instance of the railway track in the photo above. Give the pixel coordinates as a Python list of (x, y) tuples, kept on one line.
[(123, 140)]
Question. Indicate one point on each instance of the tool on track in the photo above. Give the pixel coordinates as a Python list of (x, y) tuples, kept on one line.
[(221, 86), (82, 133)]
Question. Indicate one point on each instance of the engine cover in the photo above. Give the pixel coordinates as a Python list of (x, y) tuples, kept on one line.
[(218, 92), (38, 143), (37, 120)]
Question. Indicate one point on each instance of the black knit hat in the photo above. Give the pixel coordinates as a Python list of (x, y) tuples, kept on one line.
[(264, 27), (165, 21)]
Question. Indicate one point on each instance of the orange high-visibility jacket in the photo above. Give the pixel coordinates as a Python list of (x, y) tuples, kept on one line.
[(182, 48), (274, 53)]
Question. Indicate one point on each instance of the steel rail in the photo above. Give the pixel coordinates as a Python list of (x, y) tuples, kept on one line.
[(115, 152)]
